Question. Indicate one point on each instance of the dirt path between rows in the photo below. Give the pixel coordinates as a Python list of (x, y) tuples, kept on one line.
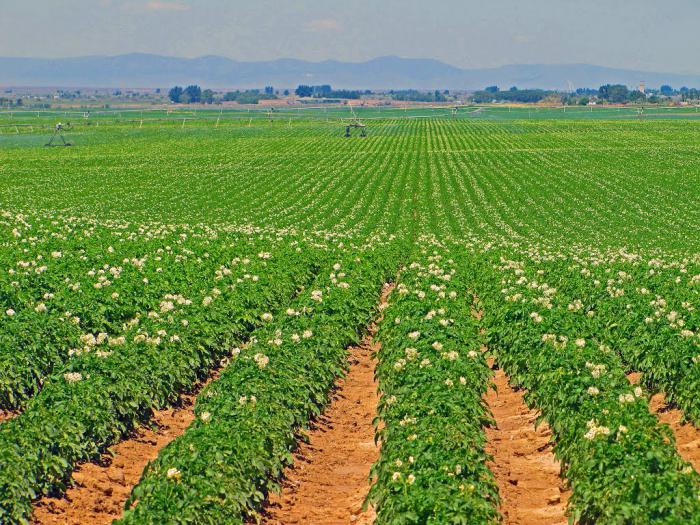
[(526, 471), (5, 415), (687, 436), (330, 478), (101, 489)]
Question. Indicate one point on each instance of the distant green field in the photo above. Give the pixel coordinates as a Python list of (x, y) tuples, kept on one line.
[(625, 182), (93, 116)]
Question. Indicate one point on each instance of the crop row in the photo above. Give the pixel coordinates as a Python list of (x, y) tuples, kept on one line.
[(222, 468), (62, 297), (620, 462), (432, 377), (647, 309), (101, 395), (452, 178)]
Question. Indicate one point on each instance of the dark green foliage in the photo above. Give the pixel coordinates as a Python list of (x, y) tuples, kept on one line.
[(249, 419), (97, 399), (432, 376), (620, 462)]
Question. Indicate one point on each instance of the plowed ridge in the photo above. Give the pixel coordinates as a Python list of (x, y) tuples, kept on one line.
[(527, 473)]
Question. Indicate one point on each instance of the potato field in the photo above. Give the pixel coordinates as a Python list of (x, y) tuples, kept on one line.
[(510, 276)]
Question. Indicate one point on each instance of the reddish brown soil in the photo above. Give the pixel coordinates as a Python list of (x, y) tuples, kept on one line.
[(330, 478), (4, 415), (527, 473), (687, 436), (101, 489)]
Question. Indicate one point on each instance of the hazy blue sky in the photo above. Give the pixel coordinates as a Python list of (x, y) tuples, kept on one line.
[(638, 34)]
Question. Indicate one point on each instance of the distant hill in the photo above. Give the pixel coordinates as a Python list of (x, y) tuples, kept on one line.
[(143, 70)]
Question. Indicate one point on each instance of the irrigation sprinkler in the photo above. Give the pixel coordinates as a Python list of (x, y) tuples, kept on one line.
[(58, 132), (355, 123)]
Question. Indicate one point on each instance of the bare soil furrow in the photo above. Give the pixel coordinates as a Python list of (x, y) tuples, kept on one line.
[(5, 415), (100, 489), (330, 478), (528, 475), (687, 435)]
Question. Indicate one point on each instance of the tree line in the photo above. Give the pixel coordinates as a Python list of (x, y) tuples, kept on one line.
[(326, 91), (191, 95), (608, 93), (195, 95)]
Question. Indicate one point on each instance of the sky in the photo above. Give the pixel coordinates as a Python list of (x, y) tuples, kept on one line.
[(650, 35)]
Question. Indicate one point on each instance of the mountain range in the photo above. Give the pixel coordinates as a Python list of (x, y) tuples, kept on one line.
[(138, 70)]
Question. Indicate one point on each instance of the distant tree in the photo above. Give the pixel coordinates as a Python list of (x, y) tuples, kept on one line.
[(175, 94), (521, 95), (252, 96), (208, 96), (269, 90), (194, 93), (304, 91), (513, 89), (666, 90), (286, 92), (158, 91), (19, 102), (690, 94), (619, 93), (491, 89), (616, 93), (583, 101), (414, 95), (322, 91), (636, 96)]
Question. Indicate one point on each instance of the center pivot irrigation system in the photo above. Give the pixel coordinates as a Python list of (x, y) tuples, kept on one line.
[(58, 132), (355, 123)]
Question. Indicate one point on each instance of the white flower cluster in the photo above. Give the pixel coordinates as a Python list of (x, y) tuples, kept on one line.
[(595, 430)]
